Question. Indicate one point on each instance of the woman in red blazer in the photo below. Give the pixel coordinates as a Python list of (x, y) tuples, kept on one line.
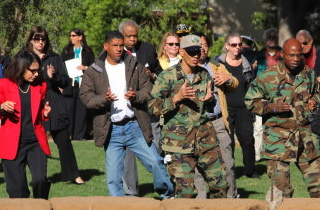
[(23, 140)]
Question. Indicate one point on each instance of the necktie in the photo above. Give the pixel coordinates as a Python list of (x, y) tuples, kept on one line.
[(129, 52)]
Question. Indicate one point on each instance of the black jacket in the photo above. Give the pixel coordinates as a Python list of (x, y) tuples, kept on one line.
[(58, 116), (87, 58), (146, 53)]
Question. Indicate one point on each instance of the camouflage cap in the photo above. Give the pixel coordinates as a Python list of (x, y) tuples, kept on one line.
[(190, 41)]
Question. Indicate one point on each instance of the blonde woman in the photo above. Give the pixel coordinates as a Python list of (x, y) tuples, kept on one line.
[(168, 53)]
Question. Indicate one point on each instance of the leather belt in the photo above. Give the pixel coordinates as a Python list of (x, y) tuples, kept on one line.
[(124, 121)]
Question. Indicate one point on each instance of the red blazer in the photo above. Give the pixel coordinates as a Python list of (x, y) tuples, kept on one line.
[(11, 125)]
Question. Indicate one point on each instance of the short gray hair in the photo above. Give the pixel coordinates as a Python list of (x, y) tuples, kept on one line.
[(305, 33), (127, 22), (268, 31)]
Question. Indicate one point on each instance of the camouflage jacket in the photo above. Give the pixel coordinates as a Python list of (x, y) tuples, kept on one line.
[(285, 132), (185, 125)]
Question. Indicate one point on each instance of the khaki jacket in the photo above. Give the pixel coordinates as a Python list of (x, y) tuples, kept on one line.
[(231, 86)]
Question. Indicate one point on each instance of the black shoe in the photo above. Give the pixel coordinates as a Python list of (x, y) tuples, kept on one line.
[(254, 175)]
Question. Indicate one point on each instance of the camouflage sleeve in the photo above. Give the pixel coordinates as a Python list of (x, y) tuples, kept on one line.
[(256, 98), (316, 93), (161, 99)]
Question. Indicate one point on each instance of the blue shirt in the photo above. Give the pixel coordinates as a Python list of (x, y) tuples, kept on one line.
[(216, 109)]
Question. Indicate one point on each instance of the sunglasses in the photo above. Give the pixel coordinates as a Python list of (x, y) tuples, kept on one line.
[(73, 35), (34, 71), (175, 44), (292, 56), (193, 52), (38, 39), (305, 43), (235, 44)]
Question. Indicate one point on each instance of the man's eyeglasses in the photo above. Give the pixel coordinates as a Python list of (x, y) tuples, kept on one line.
[(305, 43), (171, 44), (34, 71), (193, 52), (38, 39), (292, 56), (235, 44), (73, 35)]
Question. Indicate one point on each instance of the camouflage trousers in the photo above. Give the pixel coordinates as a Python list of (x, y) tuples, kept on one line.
[(209, 164), (279, 173)]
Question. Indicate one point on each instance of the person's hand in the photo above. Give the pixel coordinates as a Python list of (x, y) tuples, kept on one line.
[(282, 106), (110, 96), (8, 106), (185, 91), (47, 109), (130, 94), (311, 104), (50, 71), (167, 159), (150, 74), (255, 65), (209, 94), (82, 67), (221, 78)]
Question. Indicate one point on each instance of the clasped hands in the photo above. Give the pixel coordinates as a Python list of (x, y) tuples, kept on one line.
[(129, 95), (221, 78), (187, 92)]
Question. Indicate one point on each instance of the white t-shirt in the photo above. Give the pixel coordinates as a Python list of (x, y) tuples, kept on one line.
[(174, 61), (120, 108)]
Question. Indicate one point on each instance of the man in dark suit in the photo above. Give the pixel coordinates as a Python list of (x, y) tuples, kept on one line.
[(147, 56)]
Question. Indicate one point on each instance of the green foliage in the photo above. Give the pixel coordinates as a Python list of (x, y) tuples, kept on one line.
[(268, 17), (96, 17), (17, 17), (217, 47)]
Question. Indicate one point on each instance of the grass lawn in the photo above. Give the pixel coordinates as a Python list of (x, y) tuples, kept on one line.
[(92, 169)]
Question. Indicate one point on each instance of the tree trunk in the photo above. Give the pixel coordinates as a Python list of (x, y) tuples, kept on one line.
[(291, 16)]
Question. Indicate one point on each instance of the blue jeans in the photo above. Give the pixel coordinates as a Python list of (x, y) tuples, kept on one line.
[(130, 136)]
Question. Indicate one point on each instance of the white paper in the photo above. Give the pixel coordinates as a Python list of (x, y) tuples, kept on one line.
[(72, 65)]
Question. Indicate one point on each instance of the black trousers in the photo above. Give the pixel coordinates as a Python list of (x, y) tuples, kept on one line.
[(241, 123), (77, 113), (68, 162), (32, 155)]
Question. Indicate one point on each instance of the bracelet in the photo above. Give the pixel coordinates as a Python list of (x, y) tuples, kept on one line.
[(274, 110)]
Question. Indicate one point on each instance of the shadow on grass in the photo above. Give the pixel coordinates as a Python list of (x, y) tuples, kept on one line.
[(145, 189), (86, 175), (245, 193), (260, 169)]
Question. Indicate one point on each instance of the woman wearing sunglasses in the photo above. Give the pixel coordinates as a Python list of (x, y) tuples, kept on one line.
[(239, 118), (168, 52), (77, 48), (23, 140), (55, 74)]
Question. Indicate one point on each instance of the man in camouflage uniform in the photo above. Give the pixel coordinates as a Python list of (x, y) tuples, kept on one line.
[(285, 95), (181, 95)]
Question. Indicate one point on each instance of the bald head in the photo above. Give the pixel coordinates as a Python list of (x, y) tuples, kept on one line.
[(291, 43), (292, 56)]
